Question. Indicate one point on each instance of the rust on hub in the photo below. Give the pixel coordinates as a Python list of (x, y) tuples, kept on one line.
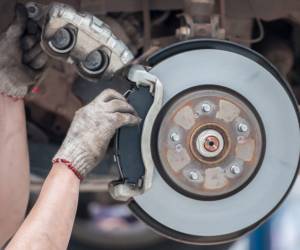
[(211, 142)]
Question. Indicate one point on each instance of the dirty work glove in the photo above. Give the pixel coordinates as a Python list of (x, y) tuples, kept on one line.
[(92, 129), (21, 59)]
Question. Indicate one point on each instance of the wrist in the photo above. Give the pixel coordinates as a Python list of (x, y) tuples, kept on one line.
[(61, 173), (68, 166), (15, 92), (74, 153)]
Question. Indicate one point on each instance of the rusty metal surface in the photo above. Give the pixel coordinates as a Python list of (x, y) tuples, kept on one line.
[(230, 154)]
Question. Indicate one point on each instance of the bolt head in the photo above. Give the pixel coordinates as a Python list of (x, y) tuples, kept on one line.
[(242, 127), (194, 175), (175, 137), (206, 107), (235, 170)]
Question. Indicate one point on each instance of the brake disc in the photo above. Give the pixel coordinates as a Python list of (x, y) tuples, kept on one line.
[(225, 143)]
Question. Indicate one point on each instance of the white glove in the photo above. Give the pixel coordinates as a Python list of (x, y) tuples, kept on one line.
[(22, 58), (92, 129)]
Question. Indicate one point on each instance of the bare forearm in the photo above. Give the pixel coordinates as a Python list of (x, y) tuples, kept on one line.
[(14, 167), (50, 222)]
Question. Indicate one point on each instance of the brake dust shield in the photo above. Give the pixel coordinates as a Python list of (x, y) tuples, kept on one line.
[(225, 144)]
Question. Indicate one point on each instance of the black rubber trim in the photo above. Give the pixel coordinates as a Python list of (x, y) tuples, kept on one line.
[(154, 145), (236, 48)]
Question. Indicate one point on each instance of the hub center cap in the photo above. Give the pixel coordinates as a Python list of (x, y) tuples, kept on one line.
[(209, 143)]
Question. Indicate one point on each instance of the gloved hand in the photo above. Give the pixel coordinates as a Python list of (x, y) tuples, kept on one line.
[(22, 58), (92, 129)]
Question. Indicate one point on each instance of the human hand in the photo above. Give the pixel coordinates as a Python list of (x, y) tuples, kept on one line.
[(22, 58), (92, 129)]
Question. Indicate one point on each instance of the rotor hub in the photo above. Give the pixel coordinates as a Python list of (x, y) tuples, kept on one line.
[(210, 142)]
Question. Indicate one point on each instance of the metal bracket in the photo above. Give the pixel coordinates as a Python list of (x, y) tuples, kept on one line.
[(141, 77)]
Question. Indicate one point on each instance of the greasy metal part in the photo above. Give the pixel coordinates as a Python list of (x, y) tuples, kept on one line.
[(210, 143), (141, 77), (72, 36), (201, 20)]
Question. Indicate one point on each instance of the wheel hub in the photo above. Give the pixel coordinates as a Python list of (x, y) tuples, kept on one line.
[(210, 143), (218, 142)]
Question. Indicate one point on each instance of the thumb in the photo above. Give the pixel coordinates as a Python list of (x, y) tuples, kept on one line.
[(18, 26)]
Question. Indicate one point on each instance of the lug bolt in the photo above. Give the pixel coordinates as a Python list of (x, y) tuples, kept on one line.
[(193, 175), (175, 137), (206, 107), (242, 127), (235, 170)]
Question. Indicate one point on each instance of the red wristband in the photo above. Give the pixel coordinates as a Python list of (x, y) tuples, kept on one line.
[(69, 165)]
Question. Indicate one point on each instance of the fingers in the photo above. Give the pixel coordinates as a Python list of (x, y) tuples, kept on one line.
[(39, 62), (125, 119), (32, 36), (32, 53), (110, 94), (35, 57), (29, 41), (120, 106)]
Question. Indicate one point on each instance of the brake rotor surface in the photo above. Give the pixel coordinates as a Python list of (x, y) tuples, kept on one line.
[(225, 145)]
